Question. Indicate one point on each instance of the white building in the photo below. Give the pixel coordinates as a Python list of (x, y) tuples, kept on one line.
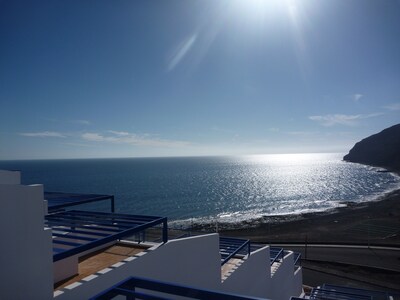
[(84, 265)]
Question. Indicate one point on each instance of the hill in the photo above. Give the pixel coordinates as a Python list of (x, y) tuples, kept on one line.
[(381, 149)]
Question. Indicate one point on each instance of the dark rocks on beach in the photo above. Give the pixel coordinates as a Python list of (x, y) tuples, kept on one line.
[(381, 149)]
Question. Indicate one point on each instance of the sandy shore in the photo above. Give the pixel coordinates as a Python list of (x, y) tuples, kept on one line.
[(376, 222)]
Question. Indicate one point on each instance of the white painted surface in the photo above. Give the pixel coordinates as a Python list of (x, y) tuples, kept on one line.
[(10, 177), (65, 268), (26, 249), (193, 261), (283, 283), (298, 281), (253, 277)]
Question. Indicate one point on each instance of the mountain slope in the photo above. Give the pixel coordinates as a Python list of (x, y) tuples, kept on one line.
[(381, 149)]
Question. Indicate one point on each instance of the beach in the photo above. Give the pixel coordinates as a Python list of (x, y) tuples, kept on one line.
[(375, 222)]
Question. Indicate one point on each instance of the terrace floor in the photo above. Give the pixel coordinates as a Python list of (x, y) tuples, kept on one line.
[(99, 260), (229, 267)]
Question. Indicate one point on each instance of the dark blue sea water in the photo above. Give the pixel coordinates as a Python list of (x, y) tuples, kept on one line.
[(206, 189)]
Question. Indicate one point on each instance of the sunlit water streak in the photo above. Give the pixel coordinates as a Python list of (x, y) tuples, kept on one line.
[(206, 189)]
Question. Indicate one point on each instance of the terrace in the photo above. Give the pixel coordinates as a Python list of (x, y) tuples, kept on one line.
[(93, 239), (75, 232)]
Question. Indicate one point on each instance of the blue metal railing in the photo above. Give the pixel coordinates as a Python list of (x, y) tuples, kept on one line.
[(77, 231), (326, 294), (275, 254), (297, 259), (369, 293), (229, 247), (58, 200), (142, 288)]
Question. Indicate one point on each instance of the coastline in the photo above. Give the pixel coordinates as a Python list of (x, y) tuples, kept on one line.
[(373, 222)]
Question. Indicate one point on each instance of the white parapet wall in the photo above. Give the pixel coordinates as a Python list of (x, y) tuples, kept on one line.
[(10, 177), (252, 277), (284, 283), (26, 265), (298, 281), (193, 261)]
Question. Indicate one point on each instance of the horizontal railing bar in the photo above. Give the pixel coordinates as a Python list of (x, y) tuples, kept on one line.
[(72, 244), (58, 250), (336, 287), (86, 232), (84, 226), (318, 292), (86, 220), (109, 218), (138, 295), (82, 221), (75, 237), (146, 217)]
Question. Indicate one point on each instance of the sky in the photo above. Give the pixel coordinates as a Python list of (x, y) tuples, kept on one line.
[(91, 79)]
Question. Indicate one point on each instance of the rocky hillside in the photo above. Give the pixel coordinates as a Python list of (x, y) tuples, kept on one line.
[(381, 149)]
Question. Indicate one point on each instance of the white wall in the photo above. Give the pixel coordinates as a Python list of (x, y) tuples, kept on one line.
[(253, 277), (10, 177), (26, 265), (283, 283), (65, 268), (298, 281), (193, 261)]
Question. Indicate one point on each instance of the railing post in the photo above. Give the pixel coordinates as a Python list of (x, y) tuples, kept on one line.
[(144, 235), (305, 248), (112, 204), (165, 230), (131, 286), (131, 297)]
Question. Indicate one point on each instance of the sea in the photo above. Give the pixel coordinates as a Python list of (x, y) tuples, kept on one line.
[(205, 190)]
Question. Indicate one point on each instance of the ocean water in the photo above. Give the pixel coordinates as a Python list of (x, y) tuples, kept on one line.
[(209, 189)]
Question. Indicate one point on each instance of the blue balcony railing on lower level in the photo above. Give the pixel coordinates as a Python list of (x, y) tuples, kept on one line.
[(330, 291), (326, 294), (142, 288)]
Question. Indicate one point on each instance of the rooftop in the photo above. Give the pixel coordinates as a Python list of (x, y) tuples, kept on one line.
[(77, 231)]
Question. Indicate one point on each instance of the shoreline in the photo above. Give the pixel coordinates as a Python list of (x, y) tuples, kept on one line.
[(373, 222), (238, 227)]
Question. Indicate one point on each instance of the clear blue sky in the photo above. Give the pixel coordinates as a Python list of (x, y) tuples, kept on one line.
[(211, 77)]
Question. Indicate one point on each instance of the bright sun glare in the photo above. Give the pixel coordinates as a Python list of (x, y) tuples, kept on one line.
[(257, 6)]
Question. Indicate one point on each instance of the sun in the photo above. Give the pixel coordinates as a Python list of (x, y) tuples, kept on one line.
[(255, 7)]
